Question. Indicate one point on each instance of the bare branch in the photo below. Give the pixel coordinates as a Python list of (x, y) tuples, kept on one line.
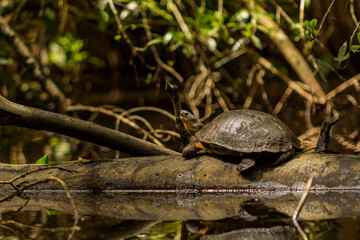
[(18, 115), (300, 205)]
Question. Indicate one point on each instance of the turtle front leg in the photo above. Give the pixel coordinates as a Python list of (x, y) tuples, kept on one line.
[(245, 164), (191, 149)]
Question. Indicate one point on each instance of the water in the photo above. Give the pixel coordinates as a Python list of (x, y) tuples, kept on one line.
[(160, 216)]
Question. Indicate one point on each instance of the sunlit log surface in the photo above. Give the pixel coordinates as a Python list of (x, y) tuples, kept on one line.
[(201, 174), (189, 189)]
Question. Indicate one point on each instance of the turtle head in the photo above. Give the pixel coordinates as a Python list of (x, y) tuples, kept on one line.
[(186, 115), (191, 124)]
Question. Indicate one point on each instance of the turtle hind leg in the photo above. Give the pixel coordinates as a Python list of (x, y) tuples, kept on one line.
[(284, 157), (245, 164)]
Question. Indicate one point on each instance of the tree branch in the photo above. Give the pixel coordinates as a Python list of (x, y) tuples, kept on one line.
[(22, 116)]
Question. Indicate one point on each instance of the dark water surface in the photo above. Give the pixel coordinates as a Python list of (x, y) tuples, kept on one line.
[(164, 216)]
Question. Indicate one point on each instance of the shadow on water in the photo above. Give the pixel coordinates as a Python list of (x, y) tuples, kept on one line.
[(153, 216)]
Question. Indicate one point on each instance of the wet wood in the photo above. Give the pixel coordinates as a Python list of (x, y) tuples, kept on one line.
[(172, 172)]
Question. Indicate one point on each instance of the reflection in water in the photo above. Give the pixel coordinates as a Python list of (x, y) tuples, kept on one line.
[(127, 216)]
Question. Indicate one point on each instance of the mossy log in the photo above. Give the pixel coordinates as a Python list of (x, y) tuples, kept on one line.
[(207, 188), (200, 174)]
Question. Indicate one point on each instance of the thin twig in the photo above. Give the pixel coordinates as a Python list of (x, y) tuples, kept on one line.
[(282, 12), (45, 180), (63, 10), (323, 20), (353, 34), (301, 17), (146, 123), (294, 85), (192, 97), (220, 6), (352, 12), (251, 74), (250, 97), (117, 116), (260, 81), (153, 109), (221, 100), (155, 53), (347, 144), (23, 225), (13, 231), (32, 171), (282, 100), (300, 205), (180, 19), (229, 58), (167, 132), (173, 92), (122, 31), (308, 108), (352, 81)]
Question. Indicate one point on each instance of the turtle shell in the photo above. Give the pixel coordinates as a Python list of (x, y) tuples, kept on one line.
[(246, 131)]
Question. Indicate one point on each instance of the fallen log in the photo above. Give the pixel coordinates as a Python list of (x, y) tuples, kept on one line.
[(201, 174)]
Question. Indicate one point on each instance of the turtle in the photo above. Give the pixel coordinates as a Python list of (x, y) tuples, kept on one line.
[(248, 134)]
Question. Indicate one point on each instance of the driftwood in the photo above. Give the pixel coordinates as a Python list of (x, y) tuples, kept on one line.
[(171, 188), (28, 117)]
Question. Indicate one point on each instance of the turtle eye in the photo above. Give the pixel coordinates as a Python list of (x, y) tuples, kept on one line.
[(184, 113)]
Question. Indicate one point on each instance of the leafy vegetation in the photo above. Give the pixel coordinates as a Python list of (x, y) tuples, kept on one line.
[(295, 61)]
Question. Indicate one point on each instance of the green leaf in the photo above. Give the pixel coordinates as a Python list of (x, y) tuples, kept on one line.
[(43, 160), (103, 19), (102, 4), (148, 79), (354, 48), (211, 44), (313, 23), (167, 37), (341, 53), (6, 61), (256, 41), (50, 13), (156, 10), (358, 36), (242, 15), (53, 212), (117, 37), (57, 54)]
